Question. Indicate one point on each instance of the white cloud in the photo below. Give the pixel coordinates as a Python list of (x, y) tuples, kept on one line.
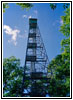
[(9, 41), (24, 16), (36, 12), (34, 15), (61, 21), (25, 35), (55, 22), (30, 16), (15, 27), (15, 43), (27, 16), (13, 32)]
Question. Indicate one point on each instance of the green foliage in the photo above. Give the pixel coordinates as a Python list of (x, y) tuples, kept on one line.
[(60, 83), (25, 5), (65, 28), (66, 5), (54, 5), (60, 66), (5, 5), (12, 77), (22, 5)]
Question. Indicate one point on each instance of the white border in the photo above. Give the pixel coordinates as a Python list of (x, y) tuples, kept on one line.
[(67, 1)]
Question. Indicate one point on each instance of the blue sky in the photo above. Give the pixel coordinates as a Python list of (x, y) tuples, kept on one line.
[(16, 27)]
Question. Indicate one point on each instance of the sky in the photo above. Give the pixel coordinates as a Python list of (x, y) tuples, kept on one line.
[(16, 27)]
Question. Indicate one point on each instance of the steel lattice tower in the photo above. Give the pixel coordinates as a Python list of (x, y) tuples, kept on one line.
[(36, 63)]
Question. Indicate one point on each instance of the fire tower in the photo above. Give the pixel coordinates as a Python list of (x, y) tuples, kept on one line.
[(36, 63)]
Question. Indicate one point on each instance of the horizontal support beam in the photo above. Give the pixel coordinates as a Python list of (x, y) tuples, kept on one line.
[(29, 78)]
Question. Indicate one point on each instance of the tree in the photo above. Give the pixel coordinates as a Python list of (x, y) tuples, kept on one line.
[(25, 5), (54, 5), (12, 77), (22, 5), (59, 83), (60, 66), (65, 29), (5, 5)]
